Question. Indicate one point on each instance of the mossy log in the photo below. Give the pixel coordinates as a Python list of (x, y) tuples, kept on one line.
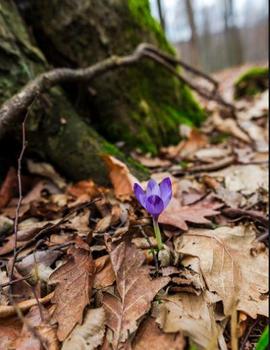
[(143, 105), (55, 131), (252, 82)]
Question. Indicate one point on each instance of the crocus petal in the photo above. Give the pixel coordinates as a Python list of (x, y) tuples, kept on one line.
[(154, 205), (152, 189), (140, 194), (166, 191)]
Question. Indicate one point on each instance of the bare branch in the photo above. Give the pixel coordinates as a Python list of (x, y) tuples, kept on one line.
[(12, 110)]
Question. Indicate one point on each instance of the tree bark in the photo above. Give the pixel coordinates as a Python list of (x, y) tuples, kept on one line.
[(55, 131), (142, 105)]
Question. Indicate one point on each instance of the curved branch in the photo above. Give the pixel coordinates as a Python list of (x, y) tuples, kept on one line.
[(11, 111)]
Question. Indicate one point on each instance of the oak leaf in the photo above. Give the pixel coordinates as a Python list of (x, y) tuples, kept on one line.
[(228, 267), (74, 282), (191, 314), (135, 292), (178, 216)]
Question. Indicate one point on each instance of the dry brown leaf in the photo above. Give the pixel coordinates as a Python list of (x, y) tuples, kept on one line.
[(120, 176), (5, 225), (9, 331), (257, 108), (135, 292), (229, 268), (26, 231), (191, 314), (152, 162), (258, 134), (178, 216), (103, 224), (246, 179), (40, 334), (74, 282), (150, 336), (186, 149), (79, 223), (211, 154), (85, 187), (7, 188), (44, 257), (231, 127), (35, 193), (89, 335), (105, 276), (46, 170)]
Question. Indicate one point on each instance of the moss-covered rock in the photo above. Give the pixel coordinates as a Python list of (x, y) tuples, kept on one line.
[(252, 82), (142, 105), (55, 131)]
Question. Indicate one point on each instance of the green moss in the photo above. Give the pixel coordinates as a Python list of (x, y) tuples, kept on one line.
[(140, 9), (252, 82), (56, 133), (141, 105)]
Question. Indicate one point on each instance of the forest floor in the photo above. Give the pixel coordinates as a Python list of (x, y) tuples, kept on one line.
[(86, 272)]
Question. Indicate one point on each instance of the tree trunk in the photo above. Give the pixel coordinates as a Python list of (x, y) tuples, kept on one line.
[(55, 131), (194, 35), (233, 39), (143, 105), (161, 15)]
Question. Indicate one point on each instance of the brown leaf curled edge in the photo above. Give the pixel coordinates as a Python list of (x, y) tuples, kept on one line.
[(74, 284), (178, 216), (135, 290)]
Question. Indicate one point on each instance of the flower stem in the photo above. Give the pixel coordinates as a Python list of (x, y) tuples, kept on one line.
[(157, 234)]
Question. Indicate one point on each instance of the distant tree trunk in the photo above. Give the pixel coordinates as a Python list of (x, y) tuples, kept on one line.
[(233, 40), (161, 15), (194, 35)]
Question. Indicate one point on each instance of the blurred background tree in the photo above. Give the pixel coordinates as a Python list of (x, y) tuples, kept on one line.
[(216, 34)]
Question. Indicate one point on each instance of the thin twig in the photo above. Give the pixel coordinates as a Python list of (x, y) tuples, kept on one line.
[(200, 90), (248, 334), (176, 61), (223, 163), (15, 281), (263, 237), (240, 213), (16, 221)]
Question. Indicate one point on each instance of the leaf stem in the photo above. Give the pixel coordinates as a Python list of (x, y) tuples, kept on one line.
[(157, 234)]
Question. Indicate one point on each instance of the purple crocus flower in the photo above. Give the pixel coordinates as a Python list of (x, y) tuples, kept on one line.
[(155, 199)]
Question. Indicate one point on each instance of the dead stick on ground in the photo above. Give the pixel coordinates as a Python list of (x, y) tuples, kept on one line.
[(15, 281), (223, 163), (13, 108), (16, 221), (240, 213)]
